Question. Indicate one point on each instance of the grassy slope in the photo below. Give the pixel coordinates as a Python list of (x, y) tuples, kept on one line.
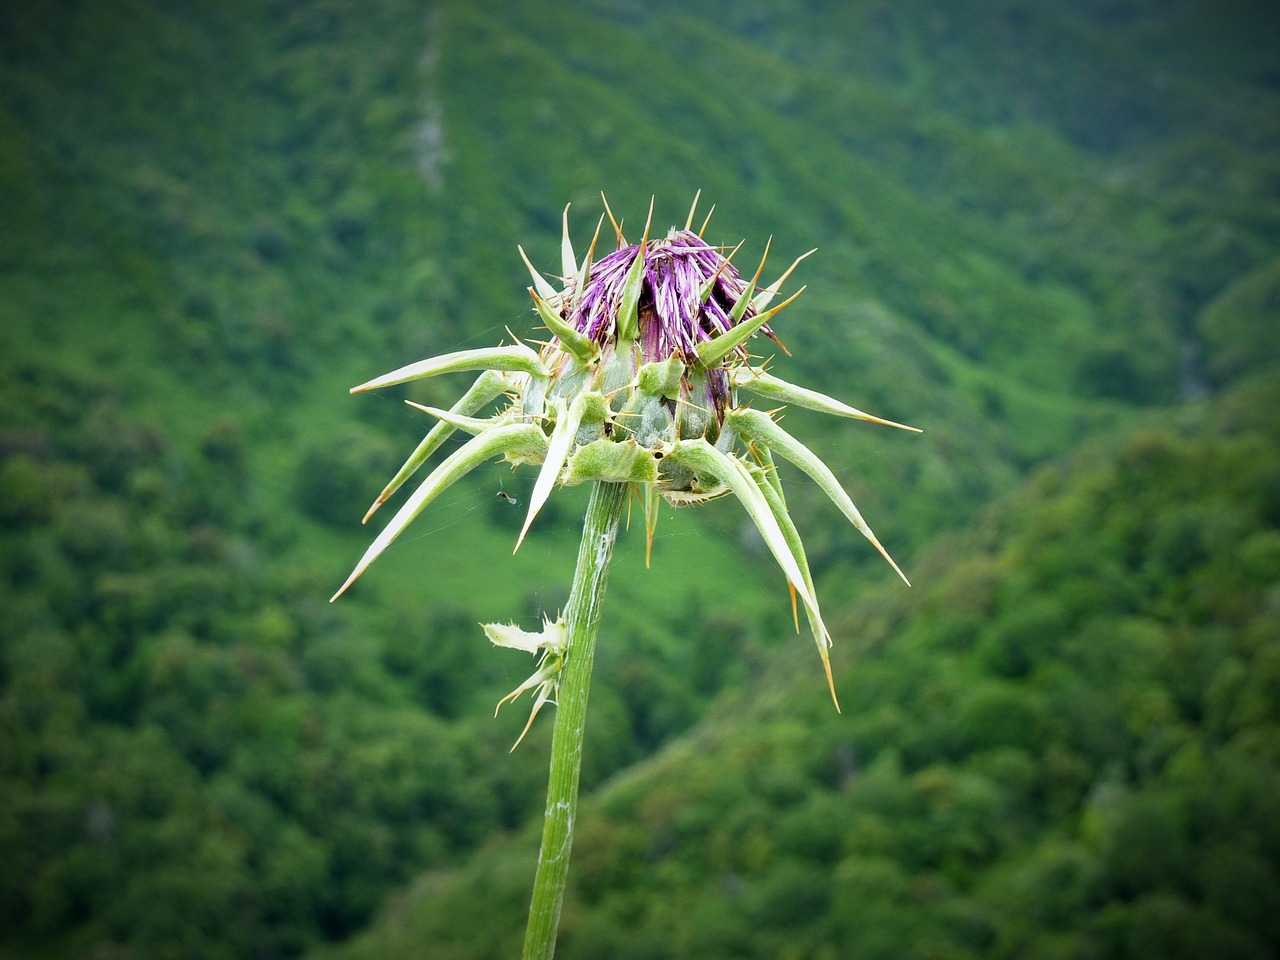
[(925, 224)]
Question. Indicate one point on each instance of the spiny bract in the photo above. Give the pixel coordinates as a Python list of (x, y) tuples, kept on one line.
[(638, 384)]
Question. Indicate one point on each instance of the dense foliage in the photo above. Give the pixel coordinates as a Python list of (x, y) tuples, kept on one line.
[(199, 754), (1035, 226), (1067, 746)]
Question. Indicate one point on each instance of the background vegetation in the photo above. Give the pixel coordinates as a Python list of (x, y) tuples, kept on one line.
[(1050, 237)]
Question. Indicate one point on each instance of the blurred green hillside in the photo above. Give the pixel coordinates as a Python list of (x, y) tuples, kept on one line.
[(1067, 744), (1038, 228)]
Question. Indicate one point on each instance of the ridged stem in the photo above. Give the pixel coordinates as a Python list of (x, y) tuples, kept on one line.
[(582, 621)]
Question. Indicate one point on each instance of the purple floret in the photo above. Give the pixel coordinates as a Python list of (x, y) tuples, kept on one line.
[(672, 318)]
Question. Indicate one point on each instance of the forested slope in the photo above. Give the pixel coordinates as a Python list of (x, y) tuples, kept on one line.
[(1064, 743)]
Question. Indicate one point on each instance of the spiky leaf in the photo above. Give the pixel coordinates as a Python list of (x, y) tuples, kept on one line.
[(516, 357), (522, 437)]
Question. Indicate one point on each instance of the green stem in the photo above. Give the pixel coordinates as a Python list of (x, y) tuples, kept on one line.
[(591, 576)]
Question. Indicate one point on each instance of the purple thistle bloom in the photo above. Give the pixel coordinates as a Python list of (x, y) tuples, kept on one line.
[(634, 392), (637, 385), (674, 318)]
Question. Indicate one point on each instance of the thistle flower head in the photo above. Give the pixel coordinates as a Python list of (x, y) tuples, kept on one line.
[(639, 383), (688, 294)]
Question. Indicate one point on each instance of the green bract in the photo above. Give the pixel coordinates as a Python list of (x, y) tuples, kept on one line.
[(640, 383)]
